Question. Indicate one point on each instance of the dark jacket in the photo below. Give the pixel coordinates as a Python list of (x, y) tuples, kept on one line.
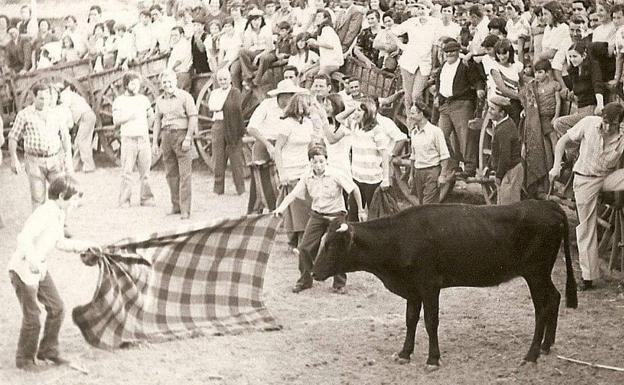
[(465, 83), (586, 81), (18, 54), (233, 117), (506, 148)]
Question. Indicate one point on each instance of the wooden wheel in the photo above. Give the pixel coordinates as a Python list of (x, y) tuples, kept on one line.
[(488, 189), (108, 134), (25, 96), (203, 137)]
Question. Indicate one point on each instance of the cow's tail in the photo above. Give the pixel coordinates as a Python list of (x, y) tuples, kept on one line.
[(571, 298)]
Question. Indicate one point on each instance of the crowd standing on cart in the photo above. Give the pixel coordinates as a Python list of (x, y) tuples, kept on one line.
[(538, 76)]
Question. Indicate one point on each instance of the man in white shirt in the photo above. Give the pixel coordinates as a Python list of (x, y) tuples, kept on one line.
[(416, 60), (161, 28), (133, 112), (480, 21), (429, 157), (144, 39), (42, 233), (181, 59)]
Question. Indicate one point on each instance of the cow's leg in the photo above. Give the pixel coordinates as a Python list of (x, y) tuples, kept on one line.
[(538, 288), (412, 314), (553, 299), (431, 303)]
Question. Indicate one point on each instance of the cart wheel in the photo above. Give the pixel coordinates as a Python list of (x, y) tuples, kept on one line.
[(26, 97), (400, 175), (109, 139), (203, 138), (488, 189)]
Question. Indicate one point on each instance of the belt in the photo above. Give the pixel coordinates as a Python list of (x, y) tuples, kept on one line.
[(588, 176), (42, 156), (427, 168), (173, 128)]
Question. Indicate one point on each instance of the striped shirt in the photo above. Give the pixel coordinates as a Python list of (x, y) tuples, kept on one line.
[(595, 156), (367, 150), (41, 137)]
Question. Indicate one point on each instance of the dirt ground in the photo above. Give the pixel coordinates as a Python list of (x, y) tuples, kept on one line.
[(326, 338)]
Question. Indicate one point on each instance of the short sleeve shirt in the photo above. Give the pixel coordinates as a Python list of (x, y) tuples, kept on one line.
[(428, 147), (595, 156), (325, 190), (41, 138), (139, 105), (176, 109)]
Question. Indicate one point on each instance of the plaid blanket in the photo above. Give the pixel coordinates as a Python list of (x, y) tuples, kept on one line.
[(195, 280)]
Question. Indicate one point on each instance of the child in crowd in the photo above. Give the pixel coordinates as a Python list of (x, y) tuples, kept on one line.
[(69, 52), (325, 186), (212, 44), (542, 105), (506, 159)]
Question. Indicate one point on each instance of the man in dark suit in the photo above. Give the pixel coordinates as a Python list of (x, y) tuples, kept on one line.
[(18, 52), (456, 84), (348, 23)]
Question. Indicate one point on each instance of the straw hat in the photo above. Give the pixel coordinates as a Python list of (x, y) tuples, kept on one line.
[(287, 86)]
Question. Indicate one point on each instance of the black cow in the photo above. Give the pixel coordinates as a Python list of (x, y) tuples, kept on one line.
[(426, 248)]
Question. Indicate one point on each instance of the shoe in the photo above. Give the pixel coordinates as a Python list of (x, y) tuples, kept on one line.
[(31, 367), (173, 212), (124, 205), (56, 360), (185, 216), (585, 285), (299, 287), (148, 203), (339, 290), (296, 252), (68, 234)]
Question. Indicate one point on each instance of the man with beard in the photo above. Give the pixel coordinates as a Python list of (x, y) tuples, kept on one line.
[(132, 111)]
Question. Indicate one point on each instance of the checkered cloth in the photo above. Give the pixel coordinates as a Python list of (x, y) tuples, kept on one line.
[(196, 280)]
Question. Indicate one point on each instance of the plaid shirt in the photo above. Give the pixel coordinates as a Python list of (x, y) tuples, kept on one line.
[(42, 137)]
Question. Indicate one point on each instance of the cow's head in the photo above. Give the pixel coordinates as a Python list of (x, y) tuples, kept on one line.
[(334, 249)]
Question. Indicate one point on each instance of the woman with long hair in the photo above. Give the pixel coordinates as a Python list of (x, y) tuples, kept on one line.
[(225, 103), (257, 39), (303, 59), (291, 160), (370, 165), (556, 39), (587, 87), (328, 44), (506, 76)]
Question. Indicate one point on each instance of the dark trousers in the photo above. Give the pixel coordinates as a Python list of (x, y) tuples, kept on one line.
[(309, 247), (178, 167), (222, 152), (366, 190), (266, 60), (426, 184), (28, 344), (454, 117), (247, 68)]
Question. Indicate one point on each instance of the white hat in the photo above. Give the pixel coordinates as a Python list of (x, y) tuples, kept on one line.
[(287, 86)]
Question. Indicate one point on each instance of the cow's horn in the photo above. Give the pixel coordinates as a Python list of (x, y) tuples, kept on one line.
[(343, 227)]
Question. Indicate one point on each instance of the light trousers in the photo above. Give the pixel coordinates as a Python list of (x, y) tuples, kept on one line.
[(135, 151), (586, 193)]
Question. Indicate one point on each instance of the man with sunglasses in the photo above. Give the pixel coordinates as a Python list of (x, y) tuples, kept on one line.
[(601, 141)]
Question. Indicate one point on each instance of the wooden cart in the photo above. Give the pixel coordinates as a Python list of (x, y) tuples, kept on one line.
[(98, 88)]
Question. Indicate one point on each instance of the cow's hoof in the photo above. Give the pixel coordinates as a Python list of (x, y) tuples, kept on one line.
[(400, 360), (528, 364), (545, 350), (431, 368)]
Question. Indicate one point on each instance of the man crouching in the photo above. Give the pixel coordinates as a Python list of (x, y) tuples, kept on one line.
[(42, 232)]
